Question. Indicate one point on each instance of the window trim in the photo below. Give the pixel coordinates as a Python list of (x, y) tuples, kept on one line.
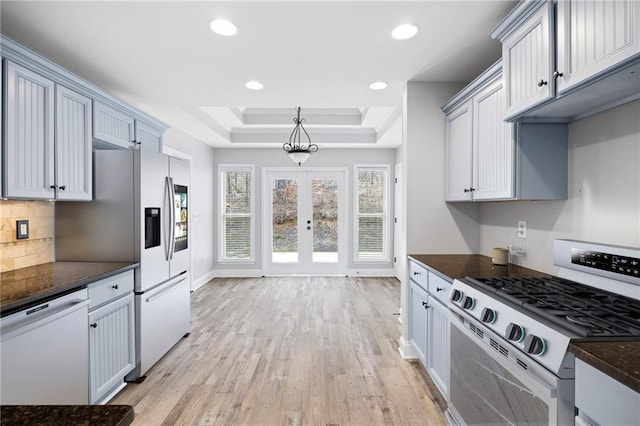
[(386, 237), (222, 170)]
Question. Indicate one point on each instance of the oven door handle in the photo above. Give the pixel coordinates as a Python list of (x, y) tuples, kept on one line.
[(542, 387)]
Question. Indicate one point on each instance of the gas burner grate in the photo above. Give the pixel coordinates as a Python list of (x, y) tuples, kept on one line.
[(586, 311)]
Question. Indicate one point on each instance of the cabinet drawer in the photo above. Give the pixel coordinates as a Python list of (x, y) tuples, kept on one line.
[(439, 288), (419, 274), (110, 288)]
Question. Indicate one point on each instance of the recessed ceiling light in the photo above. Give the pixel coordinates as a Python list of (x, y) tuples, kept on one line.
[(378, 85), (404, 31), (254, 85), (223, 27)]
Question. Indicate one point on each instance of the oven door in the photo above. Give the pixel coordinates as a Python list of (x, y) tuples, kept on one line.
[(491, 382)]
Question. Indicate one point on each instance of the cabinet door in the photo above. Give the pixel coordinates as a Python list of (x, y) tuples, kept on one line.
[(148, 137), (28, 157), (594, 36), (418, 321), (458, 154), (111, 346), (73, 145), (112, 126), (438, 344), (528, 60), (493, 146)]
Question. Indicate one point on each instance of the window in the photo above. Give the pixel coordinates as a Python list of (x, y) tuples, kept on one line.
[(372, 226), (236, 212)]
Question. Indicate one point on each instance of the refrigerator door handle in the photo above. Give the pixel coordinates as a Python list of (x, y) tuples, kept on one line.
[(164, 291), (173, 219), (170, 207)]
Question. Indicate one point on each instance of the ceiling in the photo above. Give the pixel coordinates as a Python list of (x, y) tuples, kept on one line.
[(161, 57)]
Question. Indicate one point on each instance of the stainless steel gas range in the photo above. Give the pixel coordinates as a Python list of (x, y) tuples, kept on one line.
[(510, 362)]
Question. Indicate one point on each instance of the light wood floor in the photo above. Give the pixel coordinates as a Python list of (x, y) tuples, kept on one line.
[(288, 351)]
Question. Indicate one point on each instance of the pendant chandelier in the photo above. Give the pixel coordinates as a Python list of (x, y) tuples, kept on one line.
[(298, 152)]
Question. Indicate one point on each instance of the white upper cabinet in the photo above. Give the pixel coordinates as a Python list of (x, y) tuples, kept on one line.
[(528, 62), (493, 147), (488, 159), (112, 126), (459, 133), (73, 145), (29, 138), (569, 58), (593, 36), (148, 137), (120, 130)]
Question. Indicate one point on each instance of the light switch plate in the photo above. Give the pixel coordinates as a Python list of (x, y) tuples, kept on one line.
[(22, 229)]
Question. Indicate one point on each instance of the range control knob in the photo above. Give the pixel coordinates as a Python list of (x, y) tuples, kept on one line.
[(535, 345), (456, 295), (468, 302), (488, 316), (515, 332)]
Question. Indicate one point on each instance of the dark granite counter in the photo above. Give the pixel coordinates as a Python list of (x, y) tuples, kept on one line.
[(619, 360), (77, 415), (472, 265), (25, 287)]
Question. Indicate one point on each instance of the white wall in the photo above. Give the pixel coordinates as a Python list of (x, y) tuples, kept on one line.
[(432, 226), (201, 229), (276, 157), (604, 193)]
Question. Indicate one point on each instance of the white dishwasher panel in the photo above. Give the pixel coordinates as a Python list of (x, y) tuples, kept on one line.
[(45, 360)]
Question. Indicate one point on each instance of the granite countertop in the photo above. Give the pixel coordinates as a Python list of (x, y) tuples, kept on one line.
[(25, 287), (77, 415), (472, 265), (618, 359)]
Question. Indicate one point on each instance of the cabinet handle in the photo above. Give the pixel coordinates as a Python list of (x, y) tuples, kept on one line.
[(557, 74), (542, 83), (115, 286), (94, 325), (63, 187), (471, 189), (439, 288), (53, 187), (466, 190), (308, 227), (416, 273), (425, 305)]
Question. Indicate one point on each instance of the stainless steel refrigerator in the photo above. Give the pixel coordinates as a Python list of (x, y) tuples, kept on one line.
[(139, 213)]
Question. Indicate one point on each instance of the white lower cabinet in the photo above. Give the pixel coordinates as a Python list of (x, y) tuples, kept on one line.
[(429, 324), (111, 337), (438, 344), (418, 321), (602, 400)]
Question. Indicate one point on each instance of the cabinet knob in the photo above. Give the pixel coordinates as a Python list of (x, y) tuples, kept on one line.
[(63, 187), (308, 227), (542, 83), (94, 325), (115, 286), (557, 74)]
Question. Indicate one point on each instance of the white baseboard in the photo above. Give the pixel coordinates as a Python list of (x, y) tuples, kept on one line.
[(196, 284), (406, 350), (235, 273), (371, 272)]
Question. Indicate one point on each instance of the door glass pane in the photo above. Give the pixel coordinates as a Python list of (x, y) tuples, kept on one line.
[(325, 220), (285, 221)]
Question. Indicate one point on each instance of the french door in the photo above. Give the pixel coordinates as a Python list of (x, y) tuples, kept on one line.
[(305, 224)]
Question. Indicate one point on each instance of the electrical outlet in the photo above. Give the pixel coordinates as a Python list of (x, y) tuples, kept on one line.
[(522, 229)]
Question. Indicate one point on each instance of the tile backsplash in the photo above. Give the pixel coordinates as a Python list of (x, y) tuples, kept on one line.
[(35, 250)]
